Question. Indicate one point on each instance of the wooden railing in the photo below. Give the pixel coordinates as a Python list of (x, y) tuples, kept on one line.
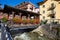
[(22, 24)]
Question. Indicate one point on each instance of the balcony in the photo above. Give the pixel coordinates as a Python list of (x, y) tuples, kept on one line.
[(54, 21), (51, 8), (15, 22), (52, 15)]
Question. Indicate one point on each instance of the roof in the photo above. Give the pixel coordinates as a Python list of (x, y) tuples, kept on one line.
[(24, 4), (6, 7), (40, 3)]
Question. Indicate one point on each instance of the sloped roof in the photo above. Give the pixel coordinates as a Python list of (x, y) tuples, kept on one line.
[(40, 3), (24, 4), (6, 7)]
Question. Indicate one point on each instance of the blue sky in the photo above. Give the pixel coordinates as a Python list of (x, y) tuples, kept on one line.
[(16, 2)]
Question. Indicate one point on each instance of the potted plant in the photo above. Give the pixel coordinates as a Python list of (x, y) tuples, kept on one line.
[(44, 21), (16, 20), (32, 21), (28, 21), (36, 21), (24, 21), (4, 19)]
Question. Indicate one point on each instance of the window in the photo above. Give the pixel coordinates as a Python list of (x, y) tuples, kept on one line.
[(31, 8), (43, 6), (43, 11), (43, 17)]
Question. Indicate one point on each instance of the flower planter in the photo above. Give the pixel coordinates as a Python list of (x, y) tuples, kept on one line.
[(4, 19), (28, 21), (34, 21), (24, 21), (18, 21), (37, 21)]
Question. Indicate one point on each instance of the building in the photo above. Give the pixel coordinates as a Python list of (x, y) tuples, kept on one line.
[(27, 6), (11, 13), (25, 10), (18, 15), (19, 19), (49, 9)]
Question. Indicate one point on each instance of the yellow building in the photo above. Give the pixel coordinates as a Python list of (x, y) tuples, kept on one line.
[(49, 7)]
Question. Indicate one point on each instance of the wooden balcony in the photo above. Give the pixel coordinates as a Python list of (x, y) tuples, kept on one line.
[(54, 21), (23, 23), (18, 18), (20, 26)]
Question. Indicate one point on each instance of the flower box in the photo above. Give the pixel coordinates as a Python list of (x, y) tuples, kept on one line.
[(16, 20), (4, 19), (24, 21), (34, 21)]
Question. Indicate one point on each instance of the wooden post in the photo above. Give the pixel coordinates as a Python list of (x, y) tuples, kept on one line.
[(20, 15), (28, 16)]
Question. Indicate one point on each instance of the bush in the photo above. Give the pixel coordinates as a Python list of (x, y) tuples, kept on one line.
[(4, 19), (43, 22), (32, 21), (24, 21), (16, 20)]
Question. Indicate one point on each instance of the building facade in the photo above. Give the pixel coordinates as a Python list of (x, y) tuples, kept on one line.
[(27, 6), (49, 8), (18, 19), (20, 14)]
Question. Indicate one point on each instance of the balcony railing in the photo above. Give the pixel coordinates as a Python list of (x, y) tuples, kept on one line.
[(51, 8), (20, 22), (53, 21), (51, 14)]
